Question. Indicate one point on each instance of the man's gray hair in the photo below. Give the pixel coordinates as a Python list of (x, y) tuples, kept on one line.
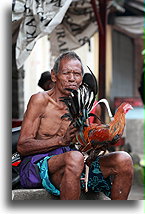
[(66, 55)]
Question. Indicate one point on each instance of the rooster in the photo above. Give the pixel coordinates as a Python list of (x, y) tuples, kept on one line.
[(97, 137)]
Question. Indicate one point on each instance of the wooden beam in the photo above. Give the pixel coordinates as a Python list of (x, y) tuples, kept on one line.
[(97, 16), (102, 49), (101, 18)]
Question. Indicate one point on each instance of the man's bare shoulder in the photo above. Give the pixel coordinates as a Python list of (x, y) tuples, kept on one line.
[(40, 98)]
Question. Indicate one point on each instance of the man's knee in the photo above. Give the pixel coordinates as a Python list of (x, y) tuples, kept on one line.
[(123, 163), (74, 162)]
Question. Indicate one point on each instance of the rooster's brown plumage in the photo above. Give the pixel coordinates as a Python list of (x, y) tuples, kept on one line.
[(96, 136)]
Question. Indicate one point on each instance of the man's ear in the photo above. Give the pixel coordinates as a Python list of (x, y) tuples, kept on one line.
[(53, 76)]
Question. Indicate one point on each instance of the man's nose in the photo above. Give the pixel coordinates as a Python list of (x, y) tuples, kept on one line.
[(71, 77)]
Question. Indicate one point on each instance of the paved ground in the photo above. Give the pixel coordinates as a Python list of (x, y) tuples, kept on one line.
[(137, 193)]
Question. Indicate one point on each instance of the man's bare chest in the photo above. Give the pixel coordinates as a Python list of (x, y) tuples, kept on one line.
[(52, 122)]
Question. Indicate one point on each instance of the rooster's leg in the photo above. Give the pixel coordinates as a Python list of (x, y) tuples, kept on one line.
[(86, 178)]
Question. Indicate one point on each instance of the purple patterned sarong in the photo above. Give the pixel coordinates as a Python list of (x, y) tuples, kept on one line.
[(29, 171)]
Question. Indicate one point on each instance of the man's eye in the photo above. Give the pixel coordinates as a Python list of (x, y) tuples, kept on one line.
[(77, 74), (67, 73)]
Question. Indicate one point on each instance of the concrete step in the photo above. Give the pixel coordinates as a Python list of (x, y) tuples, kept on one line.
[(42, 194)]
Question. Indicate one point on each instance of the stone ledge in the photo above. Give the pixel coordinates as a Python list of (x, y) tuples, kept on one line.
[(42, 194)]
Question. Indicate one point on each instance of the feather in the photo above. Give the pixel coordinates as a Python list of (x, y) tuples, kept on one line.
[(107, 106), (90, 80)]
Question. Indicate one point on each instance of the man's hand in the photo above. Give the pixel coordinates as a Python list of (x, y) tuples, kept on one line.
[(69, 135)]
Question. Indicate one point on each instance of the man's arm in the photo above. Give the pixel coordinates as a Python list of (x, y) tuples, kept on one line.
[(27, 143), (98, 112)]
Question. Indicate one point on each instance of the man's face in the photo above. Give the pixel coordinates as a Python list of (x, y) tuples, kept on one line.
[(69, 75)]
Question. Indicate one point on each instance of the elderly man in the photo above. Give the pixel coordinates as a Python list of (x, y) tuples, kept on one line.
[(44, 144)]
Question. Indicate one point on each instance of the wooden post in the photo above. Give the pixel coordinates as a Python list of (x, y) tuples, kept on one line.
[(102, 54), (101, 18)]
